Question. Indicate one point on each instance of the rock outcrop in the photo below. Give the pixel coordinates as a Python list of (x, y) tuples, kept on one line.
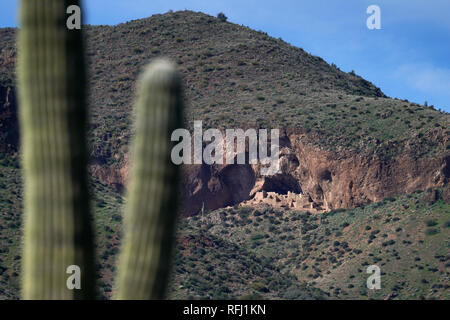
[(347, 179), (215, 186), (310, 178)]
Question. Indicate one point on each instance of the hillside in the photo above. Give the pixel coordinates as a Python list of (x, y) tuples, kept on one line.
[(272, 253), (236, 77), (346, 147), (406, 236), (233, 271)]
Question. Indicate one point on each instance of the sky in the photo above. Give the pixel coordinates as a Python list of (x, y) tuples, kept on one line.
[(408, 58)]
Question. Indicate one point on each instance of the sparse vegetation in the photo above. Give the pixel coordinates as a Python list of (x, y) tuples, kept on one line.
[(261, 252), (222, 17)]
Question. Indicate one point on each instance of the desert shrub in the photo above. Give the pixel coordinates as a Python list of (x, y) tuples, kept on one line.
[(116, 217), (256, 236), (256, 213), (222, 17), (431, 231), (334, 211), (430, 223), (259, 286), (388, 243), (253, 296)]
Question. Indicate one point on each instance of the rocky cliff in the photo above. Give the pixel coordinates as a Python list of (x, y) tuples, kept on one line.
[(350, 144), (326, 179)]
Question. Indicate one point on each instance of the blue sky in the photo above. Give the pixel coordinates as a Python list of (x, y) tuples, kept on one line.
[(408, 58)]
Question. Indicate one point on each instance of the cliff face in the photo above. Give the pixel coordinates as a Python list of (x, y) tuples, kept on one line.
[(238, 78), (326, 179), (346, 180)]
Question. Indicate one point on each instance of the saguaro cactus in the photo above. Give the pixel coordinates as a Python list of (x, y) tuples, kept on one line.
[(52, 112), (152, 197), (52, 119)]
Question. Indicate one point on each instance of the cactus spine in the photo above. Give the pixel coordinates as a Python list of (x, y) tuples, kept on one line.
[(152, 196), (57, 221)]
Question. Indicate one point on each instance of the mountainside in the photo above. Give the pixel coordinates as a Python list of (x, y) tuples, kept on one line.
[(334, 122), (406, 236), (344, 145)]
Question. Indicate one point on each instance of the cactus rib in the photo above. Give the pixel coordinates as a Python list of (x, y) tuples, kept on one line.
[(57, 224), (152, 197)]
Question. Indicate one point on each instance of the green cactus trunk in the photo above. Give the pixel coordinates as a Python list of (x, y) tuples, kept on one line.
[(150, 213), (57, 220)]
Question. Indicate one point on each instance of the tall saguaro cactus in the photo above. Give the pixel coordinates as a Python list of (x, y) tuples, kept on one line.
[(51, 78), (151, 209), (58, 231)]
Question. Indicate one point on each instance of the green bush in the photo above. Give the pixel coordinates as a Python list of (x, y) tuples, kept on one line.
[(222, 17), (259, 286), (430, 223), (431, 231)]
